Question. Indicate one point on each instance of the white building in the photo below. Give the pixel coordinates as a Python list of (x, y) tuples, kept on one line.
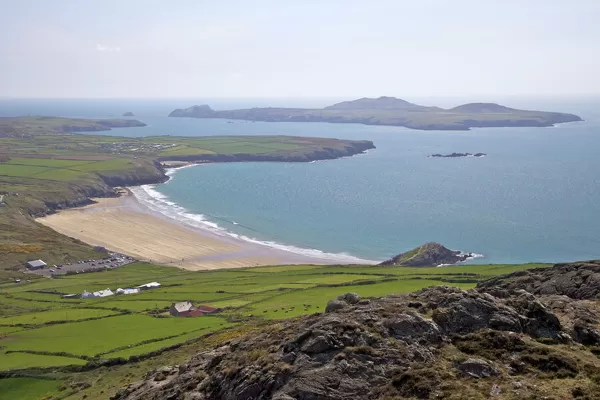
[(100, 293), (127, 291), (36, 264), (151, 285)]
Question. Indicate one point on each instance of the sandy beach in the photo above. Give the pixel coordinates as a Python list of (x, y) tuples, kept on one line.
[(124, 225)]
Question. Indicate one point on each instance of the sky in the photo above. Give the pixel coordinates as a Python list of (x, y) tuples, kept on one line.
[(308, 48)]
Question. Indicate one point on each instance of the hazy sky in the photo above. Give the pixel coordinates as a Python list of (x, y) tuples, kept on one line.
[(304, 48)]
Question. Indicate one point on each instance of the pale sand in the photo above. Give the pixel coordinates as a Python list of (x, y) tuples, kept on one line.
[(125, 226)]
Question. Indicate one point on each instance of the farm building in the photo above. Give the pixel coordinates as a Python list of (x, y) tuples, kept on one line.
[(127, 291), (151, 285), (100, 293), (36, 264), (187, 309)]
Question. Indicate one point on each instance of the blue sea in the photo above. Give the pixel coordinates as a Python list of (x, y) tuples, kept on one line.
[(534, 198)]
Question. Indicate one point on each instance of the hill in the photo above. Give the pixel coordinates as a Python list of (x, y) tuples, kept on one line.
[(439, 342), (392, 111), (428, 255), (482, 108), (382, 102)]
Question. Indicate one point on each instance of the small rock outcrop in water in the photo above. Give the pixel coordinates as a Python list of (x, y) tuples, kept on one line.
[(455, 155), (128, 114), (427, 255), (436, 343)]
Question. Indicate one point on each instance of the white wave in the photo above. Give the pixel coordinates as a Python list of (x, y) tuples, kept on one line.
[(172, 171), (160, 203), (472, 256), (475, 255)]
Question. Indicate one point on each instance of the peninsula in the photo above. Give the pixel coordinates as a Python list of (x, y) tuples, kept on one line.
[(45, 167), (394, 112)]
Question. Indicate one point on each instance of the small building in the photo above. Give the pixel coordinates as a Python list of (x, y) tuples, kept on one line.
[(94, 295), (127, 291), (36, 264), (69, 296), (151, 285), (208, 309), (187, 309)]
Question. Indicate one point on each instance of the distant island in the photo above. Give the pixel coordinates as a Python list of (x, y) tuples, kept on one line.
[(128, 114), (456, 155), (394, 112)]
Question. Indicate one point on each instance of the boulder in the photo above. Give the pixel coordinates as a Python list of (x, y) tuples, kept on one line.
[(477, 368)]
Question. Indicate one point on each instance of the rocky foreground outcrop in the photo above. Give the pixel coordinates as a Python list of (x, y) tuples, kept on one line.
[(428, 255), (491, 342)]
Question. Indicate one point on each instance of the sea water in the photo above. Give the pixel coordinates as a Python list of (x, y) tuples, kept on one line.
[(534, 198)]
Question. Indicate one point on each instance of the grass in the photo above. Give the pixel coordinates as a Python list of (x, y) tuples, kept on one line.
[(16, 361), (27, 388), (265, 293), (93, 337), (66, 314), (249, 297)]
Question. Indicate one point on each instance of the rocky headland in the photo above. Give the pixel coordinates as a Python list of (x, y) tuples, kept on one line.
[(427, 255), (514, 337), (458, 155), (392, 111)]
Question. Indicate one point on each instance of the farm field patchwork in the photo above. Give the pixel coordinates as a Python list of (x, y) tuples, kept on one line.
[(44, 322), (39, 329)]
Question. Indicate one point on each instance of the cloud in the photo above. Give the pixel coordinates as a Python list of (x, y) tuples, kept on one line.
[(102, 47)]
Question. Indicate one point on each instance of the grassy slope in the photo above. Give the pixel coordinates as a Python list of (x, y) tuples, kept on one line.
[(50, 168), (37, 319)]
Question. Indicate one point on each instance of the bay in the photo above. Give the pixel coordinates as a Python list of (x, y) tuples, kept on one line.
[(535, 197)]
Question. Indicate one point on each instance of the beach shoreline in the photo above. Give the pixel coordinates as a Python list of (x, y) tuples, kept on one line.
[(126, 225)]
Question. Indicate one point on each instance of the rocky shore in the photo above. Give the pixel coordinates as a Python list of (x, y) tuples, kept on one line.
[(458, 155)]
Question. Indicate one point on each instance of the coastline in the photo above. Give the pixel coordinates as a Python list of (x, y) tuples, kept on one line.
[(126, 225)]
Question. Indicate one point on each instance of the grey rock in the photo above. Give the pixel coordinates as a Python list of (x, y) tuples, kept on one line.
[(335, 305), (477, 368), (350, 298), (413, 327), (579, 280)]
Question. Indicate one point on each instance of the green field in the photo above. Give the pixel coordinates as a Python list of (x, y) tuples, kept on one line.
[(50, 324), (66, 314), (49, 331), (27, 388)]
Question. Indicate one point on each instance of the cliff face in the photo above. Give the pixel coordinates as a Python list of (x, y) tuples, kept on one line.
[(439, 342)]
